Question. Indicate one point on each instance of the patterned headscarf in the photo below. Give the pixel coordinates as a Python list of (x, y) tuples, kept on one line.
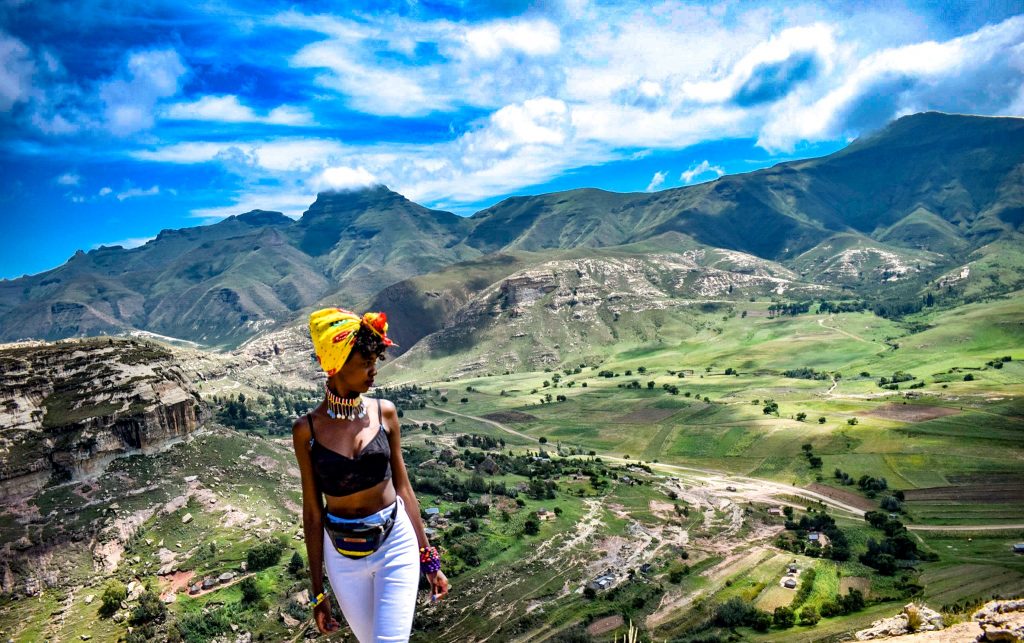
[(334, 334)]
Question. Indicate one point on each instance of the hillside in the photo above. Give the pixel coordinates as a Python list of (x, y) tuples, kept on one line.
[(885, 218)]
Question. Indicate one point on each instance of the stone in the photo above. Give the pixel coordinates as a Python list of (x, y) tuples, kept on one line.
[(187, 518), (89, 599)]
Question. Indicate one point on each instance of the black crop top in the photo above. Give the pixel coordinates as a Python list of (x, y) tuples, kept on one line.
[(339, 475)]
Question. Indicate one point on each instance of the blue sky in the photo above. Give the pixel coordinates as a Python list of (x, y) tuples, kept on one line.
[(118, 120)]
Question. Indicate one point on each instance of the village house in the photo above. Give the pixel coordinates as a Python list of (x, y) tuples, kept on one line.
[(544, 514), (789, 583), (818, 538), (775, 511), (1018, 548), (601, 582)]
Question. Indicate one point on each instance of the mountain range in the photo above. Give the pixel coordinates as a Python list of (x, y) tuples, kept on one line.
[(907, 208)]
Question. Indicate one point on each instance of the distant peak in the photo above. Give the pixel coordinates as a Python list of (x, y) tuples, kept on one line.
[(262, 218)]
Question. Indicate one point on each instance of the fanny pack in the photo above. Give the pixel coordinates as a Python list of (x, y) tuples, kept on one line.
[(358, 538)]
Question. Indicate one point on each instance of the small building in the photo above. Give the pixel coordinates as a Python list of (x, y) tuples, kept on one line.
[(789, 583), (432, 511), (601, 582), (775, 511), (646, 568), (226, 577), (544, 514), (209, 583), (792, 569), (818, 538), (730, 488), (195, 588), (1018, 548)]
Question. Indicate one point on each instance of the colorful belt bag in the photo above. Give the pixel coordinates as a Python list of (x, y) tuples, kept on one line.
[(356, 538)]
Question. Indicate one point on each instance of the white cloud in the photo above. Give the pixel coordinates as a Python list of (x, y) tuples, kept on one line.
[(369, 87), (130, 97), (69, 178), (968, 74), (104, 191), (699, 170), (340, 179), (530, 37), (656, 181), (290, 203), (127, 244), (16, 71), (133, 193), (595, 83), (228, 109)]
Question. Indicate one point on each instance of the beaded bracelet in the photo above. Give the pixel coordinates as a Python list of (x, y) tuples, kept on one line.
[(320, 598), (430, 560)]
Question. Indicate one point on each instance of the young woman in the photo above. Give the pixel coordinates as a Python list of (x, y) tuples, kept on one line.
[(359, 513)]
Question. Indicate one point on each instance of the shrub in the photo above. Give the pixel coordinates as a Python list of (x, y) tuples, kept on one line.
[(801, 416), (853, 421), (531, 527), (296, 564), (969, 377), (821, 420), (783, 618), (264, 555), (809, 616), (113, 594), (149, 610), (251, 592)]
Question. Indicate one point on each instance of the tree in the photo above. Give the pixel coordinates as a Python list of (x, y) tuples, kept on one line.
[(532, 526), (113, 594), (853, 422), (650, 385), (762, 620), (251, 592), (821, 420), (809, 616), (149, 610), (295, 565), (783, 618), (801, 416), (543, 440), (263, 555)]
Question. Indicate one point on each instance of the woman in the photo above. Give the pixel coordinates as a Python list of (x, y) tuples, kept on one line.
[(359, 513)]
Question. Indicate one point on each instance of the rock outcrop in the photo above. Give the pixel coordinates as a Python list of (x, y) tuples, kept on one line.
[(1001, 620), (67, 409)]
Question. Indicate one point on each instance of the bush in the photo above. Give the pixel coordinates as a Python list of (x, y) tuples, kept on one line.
[(762, 621), (113, 594), (853, 422), (251, 592), (783, 618), (809, 616), (149, 610), (531, 527), (264, 555), (969, 378), (296, 564), (801, 416), (821, 420)]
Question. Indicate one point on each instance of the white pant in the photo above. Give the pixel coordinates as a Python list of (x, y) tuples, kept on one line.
[(377, 593)]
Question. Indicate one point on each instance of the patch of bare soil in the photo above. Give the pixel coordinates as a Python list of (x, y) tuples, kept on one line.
[(986, 493), (859, 583), (911, 412), (510, 417), (605, 625), (842, 495), (176, 582)]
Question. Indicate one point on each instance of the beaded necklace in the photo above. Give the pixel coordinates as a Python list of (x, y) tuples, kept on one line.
[(346, 408)]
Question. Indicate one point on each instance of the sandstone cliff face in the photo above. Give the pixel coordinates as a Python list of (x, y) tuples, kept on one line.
[(68, 408)]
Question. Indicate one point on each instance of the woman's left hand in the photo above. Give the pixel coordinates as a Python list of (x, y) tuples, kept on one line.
[(438, 585)]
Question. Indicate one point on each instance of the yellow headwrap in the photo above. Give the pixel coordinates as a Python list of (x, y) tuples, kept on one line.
[(333, 331)]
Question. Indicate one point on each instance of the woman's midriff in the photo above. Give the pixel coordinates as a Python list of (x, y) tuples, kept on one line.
[(362, 503)]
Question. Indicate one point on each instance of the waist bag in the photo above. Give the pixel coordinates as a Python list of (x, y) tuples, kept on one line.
[(356, 538)]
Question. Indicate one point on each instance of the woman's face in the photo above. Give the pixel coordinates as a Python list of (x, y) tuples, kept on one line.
[(357, 374)]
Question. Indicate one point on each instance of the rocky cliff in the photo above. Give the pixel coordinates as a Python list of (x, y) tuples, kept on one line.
[(68, 408)]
